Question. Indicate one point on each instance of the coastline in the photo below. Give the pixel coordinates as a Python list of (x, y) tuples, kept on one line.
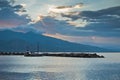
[(60, 54)]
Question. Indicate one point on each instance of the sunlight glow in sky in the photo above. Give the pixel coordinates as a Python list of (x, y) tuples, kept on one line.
[(95, 22)]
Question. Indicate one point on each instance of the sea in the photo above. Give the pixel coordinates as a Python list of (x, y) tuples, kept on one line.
[(60, 68)]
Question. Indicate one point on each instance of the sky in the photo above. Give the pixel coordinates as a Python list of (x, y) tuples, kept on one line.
[(41, 7), (81, 21)]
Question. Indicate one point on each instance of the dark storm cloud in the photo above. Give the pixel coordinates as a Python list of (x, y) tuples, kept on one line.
[(100, 13), (95, 14), (51, 26), (19, 8), (104, 22), (9, 16)]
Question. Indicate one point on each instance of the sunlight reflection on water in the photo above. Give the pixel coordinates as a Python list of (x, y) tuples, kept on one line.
[(60, 68)]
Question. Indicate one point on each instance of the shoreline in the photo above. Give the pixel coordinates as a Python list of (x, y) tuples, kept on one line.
[(60, 54)]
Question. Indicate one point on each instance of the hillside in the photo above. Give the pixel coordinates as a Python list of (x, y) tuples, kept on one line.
[(18, 41)]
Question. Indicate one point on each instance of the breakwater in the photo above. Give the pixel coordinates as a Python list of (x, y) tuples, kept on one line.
[(61, 54)]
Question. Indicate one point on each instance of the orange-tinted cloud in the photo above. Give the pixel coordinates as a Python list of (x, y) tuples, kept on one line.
[(11, 23)]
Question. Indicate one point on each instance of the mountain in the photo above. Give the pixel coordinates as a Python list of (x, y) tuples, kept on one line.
[(18, 41)]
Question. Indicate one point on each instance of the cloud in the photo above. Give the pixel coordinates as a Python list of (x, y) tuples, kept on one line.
[(78, 23), (25, 29), (51, 25), (88, 39), (63, 9), (105, 22), (105, 42), (74, 6), (9, 14), (85, 26), (19, 8), (106, 25), (102, 15)]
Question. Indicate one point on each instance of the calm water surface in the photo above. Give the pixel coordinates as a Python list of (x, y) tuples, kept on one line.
[(60, 68)]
